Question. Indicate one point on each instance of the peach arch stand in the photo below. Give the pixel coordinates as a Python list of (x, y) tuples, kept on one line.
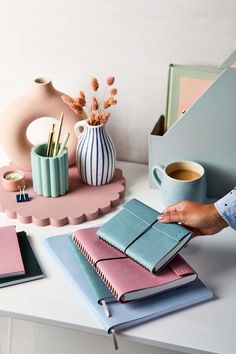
[(42, 100), (82, 202)]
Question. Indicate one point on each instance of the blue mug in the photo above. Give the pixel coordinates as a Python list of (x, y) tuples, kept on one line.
[(180, 180)]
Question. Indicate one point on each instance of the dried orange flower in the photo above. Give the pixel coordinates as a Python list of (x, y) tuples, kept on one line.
[(91, 119), (67, 99), (98, 117), (82, 95), (94, 84), (105, 117), (103, 120), (81, 101), (110, 80), (94, 105), (77, 108), (113, 91), (112, 100), (106, 103)]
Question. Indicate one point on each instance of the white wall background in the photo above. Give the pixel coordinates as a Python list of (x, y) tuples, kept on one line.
[(71, 40)]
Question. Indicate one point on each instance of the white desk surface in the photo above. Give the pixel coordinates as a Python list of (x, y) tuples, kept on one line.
[(204, 328)]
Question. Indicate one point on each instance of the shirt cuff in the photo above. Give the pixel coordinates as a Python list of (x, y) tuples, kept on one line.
[(226, 207)]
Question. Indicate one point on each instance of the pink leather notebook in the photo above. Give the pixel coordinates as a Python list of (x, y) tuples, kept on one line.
[(126, 279), (11, 263)]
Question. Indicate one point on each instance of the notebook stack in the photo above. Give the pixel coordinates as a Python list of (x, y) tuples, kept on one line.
[(135, 255), (18, 263), (126, 279), (131, 266)]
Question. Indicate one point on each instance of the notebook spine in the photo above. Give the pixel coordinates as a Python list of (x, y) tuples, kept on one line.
[(83, 250), (91, 261), (107, 283)]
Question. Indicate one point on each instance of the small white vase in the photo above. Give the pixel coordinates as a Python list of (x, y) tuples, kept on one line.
[(95, 154)]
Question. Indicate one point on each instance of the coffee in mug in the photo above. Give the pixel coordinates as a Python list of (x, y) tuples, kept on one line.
[(184, 174)]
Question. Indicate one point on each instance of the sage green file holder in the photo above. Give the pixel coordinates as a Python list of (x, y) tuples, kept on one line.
[(50, 174), (230, 61), (206, 133)]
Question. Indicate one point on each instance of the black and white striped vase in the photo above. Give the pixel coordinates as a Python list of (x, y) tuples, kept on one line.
[(95, 154)]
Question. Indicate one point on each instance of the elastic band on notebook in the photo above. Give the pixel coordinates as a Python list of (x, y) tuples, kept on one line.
[(114, 339), (142, 233), (108, 259)]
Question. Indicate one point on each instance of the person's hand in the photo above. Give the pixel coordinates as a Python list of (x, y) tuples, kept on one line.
[(202, 219)]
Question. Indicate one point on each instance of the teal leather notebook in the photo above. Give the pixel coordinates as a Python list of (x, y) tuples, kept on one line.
[(136, 232)]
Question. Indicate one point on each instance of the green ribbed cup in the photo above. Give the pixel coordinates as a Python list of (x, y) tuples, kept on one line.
[(50, 174)]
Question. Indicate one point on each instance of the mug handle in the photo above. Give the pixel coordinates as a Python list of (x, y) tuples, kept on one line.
[(77, 126), (155, 176)]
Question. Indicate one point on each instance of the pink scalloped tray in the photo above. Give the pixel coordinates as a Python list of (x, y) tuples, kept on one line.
[(80, 204)]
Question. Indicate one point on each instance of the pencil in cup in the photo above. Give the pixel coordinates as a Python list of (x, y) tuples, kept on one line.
[(56, 146), (50, 141), (63, 144)]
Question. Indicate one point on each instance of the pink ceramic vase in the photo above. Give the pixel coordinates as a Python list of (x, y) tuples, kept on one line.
[(42, 100)]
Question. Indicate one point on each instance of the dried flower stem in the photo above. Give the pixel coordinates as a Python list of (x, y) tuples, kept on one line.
[(101, 109)]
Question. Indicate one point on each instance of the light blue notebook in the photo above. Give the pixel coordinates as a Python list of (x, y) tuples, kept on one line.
[(136, 232), (123, 315)]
